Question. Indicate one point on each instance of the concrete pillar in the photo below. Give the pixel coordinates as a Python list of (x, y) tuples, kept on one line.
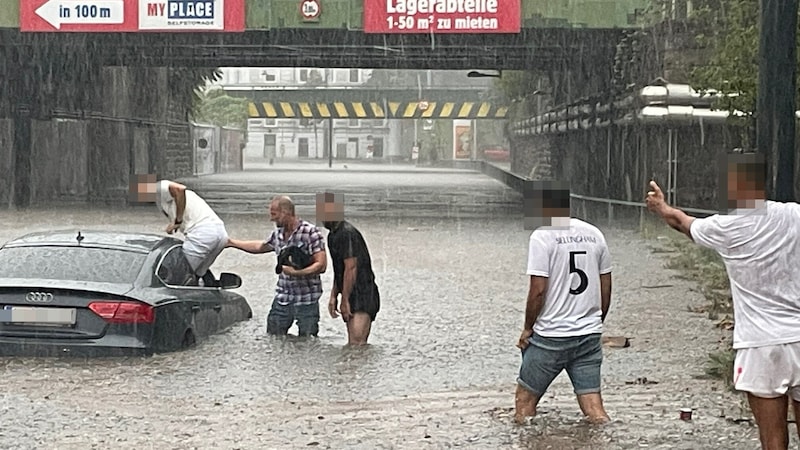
[(110, 141), (22, 158), (7, 163)]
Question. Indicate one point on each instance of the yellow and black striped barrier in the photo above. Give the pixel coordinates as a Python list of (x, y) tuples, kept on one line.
[(376, 110)]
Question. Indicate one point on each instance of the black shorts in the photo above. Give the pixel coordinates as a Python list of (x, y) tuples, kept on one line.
[(366, 303)]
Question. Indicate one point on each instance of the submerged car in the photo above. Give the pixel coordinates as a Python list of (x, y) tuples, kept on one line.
[(97, 293)]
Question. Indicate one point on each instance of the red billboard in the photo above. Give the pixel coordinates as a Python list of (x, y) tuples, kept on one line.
[(442, 16), (98, 16)]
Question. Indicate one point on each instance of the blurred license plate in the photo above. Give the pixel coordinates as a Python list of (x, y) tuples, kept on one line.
[(34, 315)]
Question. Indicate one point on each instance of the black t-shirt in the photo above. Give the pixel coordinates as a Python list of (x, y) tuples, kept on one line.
[(345, 241)]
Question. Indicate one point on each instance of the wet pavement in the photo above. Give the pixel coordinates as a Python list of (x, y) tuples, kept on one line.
[(370, 189), (439, 374)]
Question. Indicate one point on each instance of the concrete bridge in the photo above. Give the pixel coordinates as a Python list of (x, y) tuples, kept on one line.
[(342, 33)]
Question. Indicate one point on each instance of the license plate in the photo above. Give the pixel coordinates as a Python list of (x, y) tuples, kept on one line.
[(35, 315)]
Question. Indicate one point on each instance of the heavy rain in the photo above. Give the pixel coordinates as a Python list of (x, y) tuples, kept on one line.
[(431, 122)]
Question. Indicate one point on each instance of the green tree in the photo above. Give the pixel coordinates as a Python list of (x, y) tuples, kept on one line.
[(215, 107), (518, 88), (729, 30)]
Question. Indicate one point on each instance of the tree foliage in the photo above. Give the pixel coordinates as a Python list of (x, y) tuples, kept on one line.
[(215, 107), (729, 29), (394, 78)]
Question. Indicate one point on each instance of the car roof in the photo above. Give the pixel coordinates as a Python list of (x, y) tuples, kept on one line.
[(136, 242)]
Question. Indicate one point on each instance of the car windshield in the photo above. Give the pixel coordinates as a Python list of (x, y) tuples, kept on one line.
[(70, 263)]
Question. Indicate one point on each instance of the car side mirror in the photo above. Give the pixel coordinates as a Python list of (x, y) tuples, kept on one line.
[(229, 280)]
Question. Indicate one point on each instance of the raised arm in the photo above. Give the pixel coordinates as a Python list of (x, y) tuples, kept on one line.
[(254, 247), (673, 217)]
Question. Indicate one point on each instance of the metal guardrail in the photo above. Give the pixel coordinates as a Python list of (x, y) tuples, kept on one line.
[(637, 204), (518, 182)]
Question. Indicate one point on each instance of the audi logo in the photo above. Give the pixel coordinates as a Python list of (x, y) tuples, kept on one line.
[(39, 297)]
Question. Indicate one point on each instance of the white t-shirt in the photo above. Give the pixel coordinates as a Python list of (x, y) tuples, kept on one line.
[(572, 259), (761, 251), (197, 211)]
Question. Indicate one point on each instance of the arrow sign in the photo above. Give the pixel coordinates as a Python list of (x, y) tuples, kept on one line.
[(91, 12)]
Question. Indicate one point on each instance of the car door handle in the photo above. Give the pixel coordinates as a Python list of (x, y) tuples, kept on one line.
[(217, 308)]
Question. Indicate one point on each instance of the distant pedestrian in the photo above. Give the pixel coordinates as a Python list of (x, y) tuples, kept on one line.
[(353, 278), (299, 289), (205, 233), (569, 295), (759, 242)]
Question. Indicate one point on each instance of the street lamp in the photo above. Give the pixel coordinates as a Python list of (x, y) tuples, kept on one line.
[(476, 74)]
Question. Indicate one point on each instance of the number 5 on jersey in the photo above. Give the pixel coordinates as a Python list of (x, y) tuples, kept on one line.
[(573, 268)]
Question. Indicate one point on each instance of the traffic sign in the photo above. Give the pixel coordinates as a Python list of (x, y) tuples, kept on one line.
[(310, 9), (95, 16), (58, 12)]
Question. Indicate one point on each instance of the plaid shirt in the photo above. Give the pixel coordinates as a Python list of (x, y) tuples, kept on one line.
[(298, 290)]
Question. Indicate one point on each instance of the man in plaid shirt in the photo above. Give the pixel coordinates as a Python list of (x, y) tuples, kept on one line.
[(299, 290)]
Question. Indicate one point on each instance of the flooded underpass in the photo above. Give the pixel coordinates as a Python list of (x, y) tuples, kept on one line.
[(439, 373)]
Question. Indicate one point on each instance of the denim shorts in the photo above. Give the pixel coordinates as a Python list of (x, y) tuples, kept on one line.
[(282, 317), (546, 357)]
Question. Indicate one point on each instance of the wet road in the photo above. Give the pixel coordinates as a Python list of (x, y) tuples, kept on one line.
[(439, 374)]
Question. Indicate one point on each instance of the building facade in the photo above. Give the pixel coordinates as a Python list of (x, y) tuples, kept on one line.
[(298, 138)]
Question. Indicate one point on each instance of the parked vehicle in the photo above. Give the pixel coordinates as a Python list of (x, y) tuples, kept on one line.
[(98, 293), (496, 153)]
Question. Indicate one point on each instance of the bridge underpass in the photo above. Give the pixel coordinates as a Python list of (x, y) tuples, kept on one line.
[(110, 97)]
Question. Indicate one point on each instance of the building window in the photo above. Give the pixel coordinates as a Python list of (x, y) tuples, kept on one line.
[(353, 123), (303, 75), (287, 75), (354, 78), (268, 75), (340, 75)]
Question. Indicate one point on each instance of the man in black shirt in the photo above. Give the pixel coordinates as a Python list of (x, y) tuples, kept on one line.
[(352, 271)]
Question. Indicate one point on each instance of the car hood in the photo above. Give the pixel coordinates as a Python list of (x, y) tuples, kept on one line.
[(107, 288)]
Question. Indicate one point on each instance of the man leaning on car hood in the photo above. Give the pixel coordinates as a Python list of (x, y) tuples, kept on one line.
[(188, 213)]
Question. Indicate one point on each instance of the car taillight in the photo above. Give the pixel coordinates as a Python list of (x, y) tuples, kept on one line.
[(123, 312)]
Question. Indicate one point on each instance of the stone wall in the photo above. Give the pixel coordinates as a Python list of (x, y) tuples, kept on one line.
[(617, 162), (6, 162), (532, 157), (78, 156), (60, 163)]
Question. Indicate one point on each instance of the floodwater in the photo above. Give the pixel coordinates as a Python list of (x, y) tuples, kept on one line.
[(439, 373)]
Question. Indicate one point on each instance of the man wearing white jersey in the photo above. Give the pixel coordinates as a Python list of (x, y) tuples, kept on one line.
[(568, 298), (759, 242), (205, 232)]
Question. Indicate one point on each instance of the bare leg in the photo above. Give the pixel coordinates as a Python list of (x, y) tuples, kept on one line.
[(358, 328), (525, 402), (770, 414), (592, 407), (796, 406)]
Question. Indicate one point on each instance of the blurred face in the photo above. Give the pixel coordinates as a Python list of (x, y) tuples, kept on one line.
[(143, 189), (330, 209), (541, 193), (743, 189)]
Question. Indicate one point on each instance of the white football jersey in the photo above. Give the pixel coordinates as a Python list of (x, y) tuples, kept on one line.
[(572, 258)]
